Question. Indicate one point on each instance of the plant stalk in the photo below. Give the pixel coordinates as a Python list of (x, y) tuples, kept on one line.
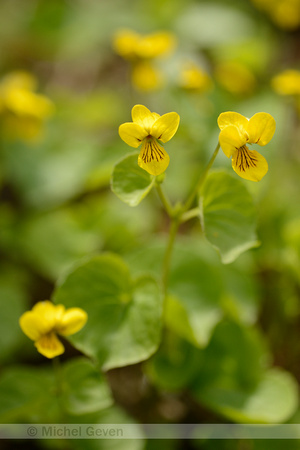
[(201, 180)]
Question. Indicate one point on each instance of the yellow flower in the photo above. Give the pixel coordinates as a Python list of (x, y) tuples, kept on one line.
[(285, 13), (235, 77), (17, 95), (194, 78), (125, 43), (236, 132), (141, 50), (287, 82), (131, 45), (23, 111), (45, 320), (145, 76), (146, 128)]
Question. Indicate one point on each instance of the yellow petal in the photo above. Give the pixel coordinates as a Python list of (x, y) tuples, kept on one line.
[(231, 139), (40, 321), (156, 44), (165, 127), (60, 311), (232, 118), (23, 103), (261, 128), (31, 325), (48, 312), (132, 133), (153, 158), (49, 345), (144, 117), (71, 321), (125, 43), (249, 164)]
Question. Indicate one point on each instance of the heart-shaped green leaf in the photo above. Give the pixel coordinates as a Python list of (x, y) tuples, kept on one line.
[(124, 316), (227, 215)]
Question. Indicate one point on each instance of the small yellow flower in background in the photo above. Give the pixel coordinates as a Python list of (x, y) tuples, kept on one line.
[(131, 45), (284, 13), (45, 320), (146, 128), (22, 111), (125, 43), (193, 77), (236, 132), (146, 77), (142, 51), (287, 82), (235, 77)]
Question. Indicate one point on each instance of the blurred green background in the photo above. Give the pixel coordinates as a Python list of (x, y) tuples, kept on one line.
[(56, 206)]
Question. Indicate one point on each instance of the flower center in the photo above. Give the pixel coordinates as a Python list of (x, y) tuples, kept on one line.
[(152, 151), (244, 159)]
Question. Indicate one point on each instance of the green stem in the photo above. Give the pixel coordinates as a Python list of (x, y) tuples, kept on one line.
[(201, 180), (59, 384), (187, 215), (177, 216), (165, 201), (167, 258)]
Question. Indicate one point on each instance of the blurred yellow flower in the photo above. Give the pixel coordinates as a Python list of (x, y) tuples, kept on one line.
[(45, 320), (236, 132), (131, 45), (145, 76), (141, 51), (235, 77), (194, 78), (22, 111), (285, 13), (146, 128), (287, 82)]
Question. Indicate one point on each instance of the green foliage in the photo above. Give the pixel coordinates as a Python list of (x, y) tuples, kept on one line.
[(124, 313), (24, 392), (232, 380), (129, 182), (228, 215), (175, 364), (273, 400), (184, 323), (200, 291), (194, 308), (32, 394), (13, 299), (66, 242), (48, 173), (113, 415), (85, 389), (236, 381)]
